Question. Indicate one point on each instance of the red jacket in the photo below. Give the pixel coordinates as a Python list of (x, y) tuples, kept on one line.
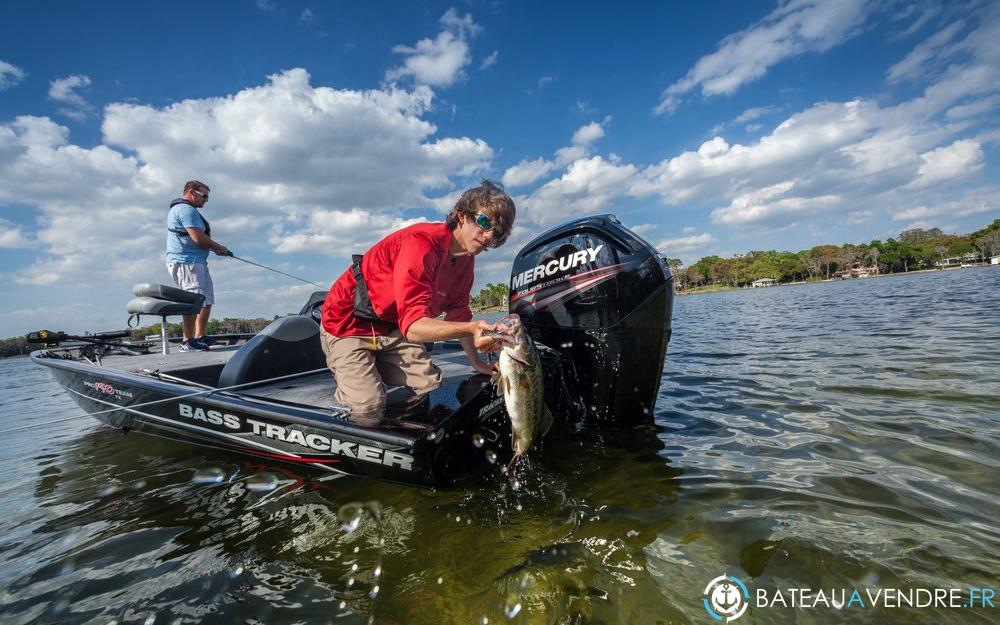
[(410, 275)]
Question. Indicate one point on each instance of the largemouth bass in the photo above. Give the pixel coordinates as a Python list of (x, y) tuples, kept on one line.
[(520, 380)]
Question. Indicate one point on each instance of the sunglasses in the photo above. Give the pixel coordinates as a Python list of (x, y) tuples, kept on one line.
[(483, 222), (203, 196)]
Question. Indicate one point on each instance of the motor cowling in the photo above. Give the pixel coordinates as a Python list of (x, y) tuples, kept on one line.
[(601, 298)]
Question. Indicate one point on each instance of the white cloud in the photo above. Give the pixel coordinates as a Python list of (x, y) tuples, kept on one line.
[(490, 60), (10, 75), (307, 16), (64, 90), (755, 113), (587, 187), (544, 80), (680, 245), (526, 172), (958, 160), (332, 232), (585, 135), (12, 235), (974, 109), (266, 5), (794, 28), (438, 62), (971, 202), (641, 229), (927, 54)]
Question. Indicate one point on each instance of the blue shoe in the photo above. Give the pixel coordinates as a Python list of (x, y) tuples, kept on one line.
[(194, 345), (207, 340)]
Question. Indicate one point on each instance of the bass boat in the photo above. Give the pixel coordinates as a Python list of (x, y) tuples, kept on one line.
[(595, 298)]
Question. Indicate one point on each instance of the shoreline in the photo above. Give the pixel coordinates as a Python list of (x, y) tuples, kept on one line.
[(723, 289)]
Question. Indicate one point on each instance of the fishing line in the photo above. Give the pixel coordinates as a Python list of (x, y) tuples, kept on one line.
[(250, 262), (159, 401)]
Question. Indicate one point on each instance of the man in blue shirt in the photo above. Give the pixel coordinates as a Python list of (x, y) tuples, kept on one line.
[(188, 242)]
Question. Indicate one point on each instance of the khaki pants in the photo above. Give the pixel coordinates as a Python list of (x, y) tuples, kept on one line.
[(362, 375)]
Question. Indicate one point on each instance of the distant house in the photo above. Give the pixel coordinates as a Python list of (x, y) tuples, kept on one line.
[(956, 261), (857, 271), (995, 260), (764, 282)]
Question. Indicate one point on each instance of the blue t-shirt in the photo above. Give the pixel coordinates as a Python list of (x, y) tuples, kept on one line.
[(181, 249)]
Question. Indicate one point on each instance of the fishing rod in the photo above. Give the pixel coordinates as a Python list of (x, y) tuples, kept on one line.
[(250, 262)]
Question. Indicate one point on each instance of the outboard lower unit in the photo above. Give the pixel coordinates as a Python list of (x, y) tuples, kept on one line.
[(600, 298)]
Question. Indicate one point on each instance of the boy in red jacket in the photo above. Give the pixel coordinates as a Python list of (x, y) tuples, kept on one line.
[(412, 277)]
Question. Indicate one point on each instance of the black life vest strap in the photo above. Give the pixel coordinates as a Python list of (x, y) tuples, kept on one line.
[(183, 232)]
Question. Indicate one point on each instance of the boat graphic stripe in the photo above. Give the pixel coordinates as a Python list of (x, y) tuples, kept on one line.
[(189, 426)]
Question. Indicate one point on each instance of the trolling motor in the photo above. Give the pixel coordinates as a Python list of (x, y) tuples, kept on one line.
[(600, 298)]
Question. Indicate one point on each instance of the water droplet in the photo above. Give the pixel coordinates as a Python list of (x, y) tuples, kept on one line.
[(138, 485), (374, 592), (519, 507), (343, 604), (484, 621), (354, 568), (357, 549), (149, 620), (516, 485), (350, 582), (107, 491), (262, 483), (236, 572), (491, 456), (209, 475), (458, 519), (436, 436), (478, 440), (440, 580), (512, 609), (378, 571)]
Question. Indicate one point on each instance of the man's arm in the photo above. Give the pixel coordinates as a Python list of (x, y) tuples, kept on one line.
[(200, 238)]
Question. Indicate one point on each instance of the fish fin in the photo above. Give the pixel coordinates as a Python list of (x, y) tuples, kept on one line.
[(501, 384), (546, 422)]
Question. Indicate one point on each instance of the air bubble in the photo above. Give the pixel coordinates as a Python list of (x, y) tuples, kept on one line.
[(491, 456), (262, 482), (209, 475), (512, 609), (107, 491), (478, 440)]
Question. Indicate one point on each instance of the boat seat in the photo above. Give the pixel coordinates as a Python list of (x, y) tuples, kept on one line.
[(163, 301), (288, 345)]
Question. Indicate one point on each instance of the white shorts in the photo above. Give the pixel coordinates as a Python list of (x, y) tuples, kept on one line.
[(193, 277)]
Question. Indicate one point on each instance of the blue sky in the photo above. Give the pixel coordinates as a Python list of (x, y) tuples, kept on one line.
[(710, 128)]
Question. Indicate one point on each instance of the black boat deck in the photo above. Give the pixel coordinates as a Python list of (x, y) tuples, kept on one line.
[(314, 390)]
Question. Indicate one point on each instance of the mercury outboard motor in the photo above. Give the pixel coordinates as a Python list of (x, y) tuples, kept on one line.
[(600, 298)]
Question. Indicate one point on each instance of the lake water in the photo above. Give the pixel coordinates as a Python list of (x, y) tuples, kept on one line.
[(828, 436)]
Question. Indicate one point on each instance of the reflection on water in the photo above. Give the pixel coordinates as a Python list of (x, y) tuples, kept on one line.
[(824, 436)]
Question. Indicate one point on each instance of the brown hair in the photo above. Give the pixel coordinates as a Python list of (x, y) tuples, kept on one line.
[(197, 185), (488, 198)]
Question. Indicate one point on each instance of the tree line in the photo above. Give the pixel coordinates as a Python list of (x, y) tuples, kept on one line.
[(915, 248), (490, 296)]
